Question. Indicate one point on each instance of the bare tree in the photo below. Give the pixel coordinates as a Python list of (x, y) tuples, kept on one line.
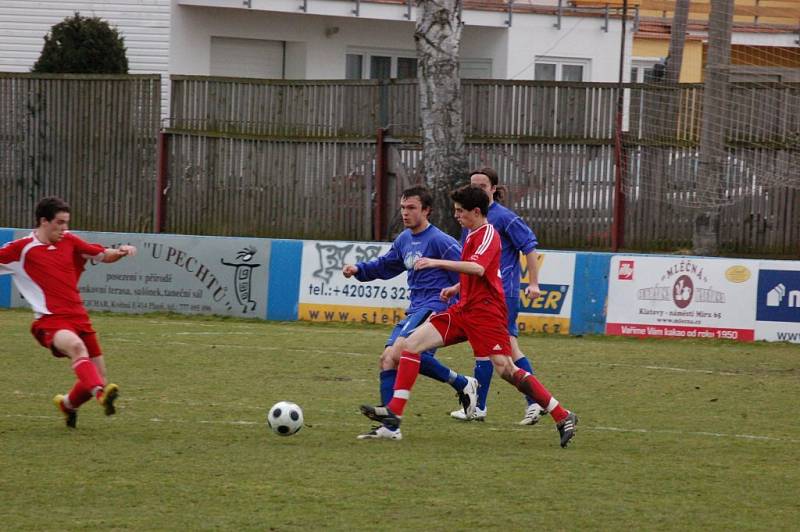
[(677, 40), (438, 40), (705, 239)]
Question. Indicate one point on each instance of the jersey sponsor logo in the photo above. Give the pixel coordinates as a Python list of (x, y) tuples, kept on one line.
[(497, 347), (778, 296), (411, 258), (625, 272), (550, 301)]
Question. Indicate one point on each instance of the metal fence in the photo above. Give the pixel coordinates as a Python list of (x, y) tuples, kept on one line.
[(89, 139)]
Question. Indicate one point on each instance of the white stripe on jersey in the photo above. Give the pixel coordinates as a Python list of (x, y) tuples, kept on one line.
[(487, 240), (31, 291)]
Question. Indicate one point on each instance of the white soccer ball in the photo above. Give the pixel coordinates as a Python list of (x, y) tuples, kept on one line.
[(285, 418)]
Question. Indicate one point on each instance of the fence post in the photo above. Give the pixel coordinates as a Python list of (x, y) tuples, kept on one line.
[(161, 182), (618, 221), (380, 184)]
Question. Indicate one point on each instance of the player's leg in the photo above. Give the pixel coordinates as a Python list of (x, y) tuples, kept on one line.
[(531, 387), (484, 369), (70, 344), (110, 390), (533, 412), (423, 338)]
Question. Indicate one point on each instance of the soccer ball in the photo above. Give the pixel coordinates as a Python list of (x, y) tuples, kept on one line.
[(285, 418)]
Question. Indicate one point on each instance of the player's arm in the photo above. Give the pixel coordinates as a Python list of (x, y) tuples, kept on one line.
[(10, 252), (114, 254), (524, 240), (458, 266), (450, 292), (384, 267), (532, 290)]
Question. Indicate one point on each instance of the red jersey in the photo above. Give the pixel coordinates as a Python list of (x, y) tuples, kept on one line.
[(47, 274), (483, 247)]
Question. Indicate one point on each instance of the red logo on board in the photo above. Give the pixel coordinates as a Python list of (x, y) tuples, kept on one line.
[(625, 272)]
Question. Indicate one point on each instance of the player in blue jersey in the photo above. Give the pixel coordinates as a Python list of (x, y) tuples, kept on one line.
[(419, 239), (516, 237)]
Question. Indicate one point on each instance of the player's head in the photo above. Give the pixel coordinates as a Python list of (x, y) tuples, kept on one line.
[(52, 218), (471, 205), (486, 179), (415, 207)]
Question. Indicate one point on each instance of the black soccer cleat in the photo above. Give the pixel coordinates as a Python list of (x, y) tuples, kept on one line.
[(382, 415), (566, 428)]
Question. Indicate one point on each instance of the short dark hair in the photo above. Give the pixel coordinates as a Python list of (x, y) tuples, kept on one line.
[(470, 197), (48, 207), (424, 195), (491, 173)]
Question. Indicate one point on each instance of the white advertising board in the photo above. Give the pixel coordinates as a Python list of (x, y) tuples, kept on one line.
[(778, 301), (325, 294), (682, 297)]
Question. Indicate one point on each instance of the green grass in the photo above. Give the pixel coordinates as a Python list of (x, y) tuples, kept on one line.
[(674, 435)]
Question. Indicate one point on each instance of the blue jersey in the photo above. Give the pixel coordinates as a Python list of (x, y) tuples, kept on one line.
[(515, 237), (425, 284)]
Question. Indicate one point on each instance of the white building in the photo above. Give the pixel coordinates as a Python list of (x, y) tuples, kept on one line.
[(324, 39)]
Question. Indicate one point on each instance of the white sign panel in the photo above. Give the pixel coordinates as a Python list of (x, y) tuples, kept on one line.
[(778, 301), (551, 311), (325, 294), (682, 297), (176, 273)]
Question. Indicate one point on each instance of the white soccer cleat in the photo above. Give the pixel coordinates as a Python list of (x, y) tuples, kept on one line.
[(478, 415), (381, 433), (533, 414), (468, 397)]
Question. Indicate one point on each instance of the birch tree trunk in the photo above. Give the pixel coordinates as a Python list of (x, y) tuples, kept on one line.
[(705, 239), (444, 160)]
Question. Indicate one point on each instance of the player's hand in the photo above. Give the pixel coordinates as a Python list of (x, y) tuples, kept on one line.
[(451, 291), (424, 262), (349, 270), (127, 251), (533, 291)]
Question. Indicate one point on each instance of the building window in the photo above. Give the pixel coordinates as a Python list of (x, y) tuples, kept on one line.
[(644, 70), (381, 64), (406, 67), (355, 67), (561, 69)]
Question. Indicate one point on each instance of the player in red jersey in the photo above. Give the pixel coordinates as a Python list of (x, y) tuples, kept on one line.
[(480, 317), (46, 266)]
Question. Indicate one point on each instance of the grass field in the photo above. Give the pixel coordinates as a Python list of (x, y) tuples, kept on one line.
[(673, 435)]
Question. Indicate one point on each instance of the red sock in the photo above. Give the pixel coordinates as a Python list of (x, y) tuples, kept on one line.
[(78, 395), (407, 373), (530, 386), (87, 375)]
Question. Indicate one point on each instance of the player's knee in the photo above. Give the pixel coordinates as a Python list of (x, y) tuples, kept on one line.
[(389, 358)]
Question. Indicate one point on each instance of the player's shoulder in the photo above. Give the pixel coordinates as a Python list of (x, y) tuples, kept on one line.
[(498, 211), (19, 242)]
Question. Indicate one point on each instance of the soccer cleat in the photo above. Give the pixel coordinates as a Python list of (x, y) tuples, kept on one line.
[(382, 415), (566, 428), (381, 433), (532, 415), (478, 415), (110, 394), (70, 416), (468, 397)]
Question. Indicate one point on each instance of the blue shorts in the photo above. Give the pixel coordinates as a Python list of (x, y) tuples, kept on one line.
[(512, 304), (408, 325)]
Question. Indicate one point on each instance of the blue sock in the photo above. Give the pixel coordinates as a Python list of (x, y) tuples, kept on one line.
[(524, 363), (483, 372), (387, 385), (430, 366)]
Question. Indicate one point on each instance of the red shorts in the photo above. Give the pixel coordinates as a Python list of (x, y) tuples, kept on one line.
[(487, 333), (46, 327)]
